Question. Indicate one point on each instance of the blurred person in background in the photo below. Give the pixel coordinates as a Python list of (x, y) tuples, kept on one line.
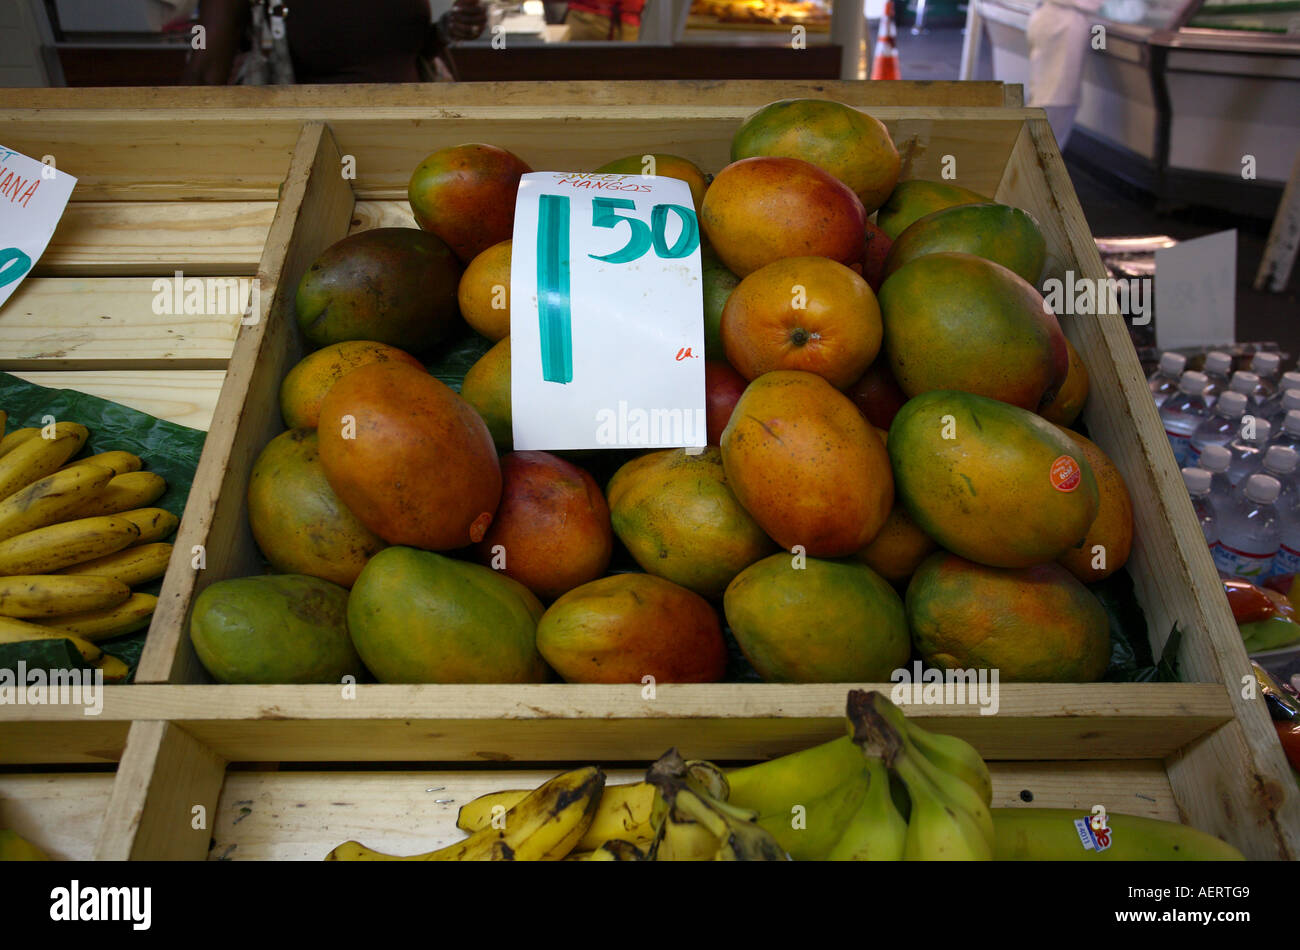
[(326, 41), (1060, 36), (604, 20)]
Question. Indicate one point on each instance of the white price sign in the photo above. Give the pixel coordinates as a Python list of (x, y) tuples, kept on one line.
[(32, 198), (606, 313)]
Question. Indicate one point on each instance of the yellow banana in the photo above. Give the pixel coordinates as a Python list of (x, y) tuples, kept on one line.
[(127, 617), (544, 826), (616, 850), (117, 461), (13, 847), (47, 595), (624, 812), (17, 438), (772, 787), (876, 831), (20, 631), (937, 829), (154, 523), (51, 499), (123, 493), (115, 671), (134, 565), (1050, 834), (38, 456), (947, 753), (61, 545)]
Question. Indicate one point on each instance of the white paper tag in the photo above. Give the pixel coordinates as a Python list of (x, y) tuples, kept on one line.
[(32, 198), (1196, 292), (606, 313)]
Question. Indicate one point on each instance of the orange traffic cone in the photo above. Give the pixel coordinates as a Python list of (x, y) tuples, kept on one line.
[(884, 62)]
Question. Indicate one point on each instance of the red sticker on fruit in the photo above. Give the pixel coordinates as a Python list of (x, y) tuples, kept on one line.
[(1065, 474)]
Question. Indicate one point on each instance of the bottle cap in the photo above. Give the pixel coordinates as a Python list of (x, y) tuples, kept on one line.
[(1192, 383), (1172, 364), (1292, 422), (1244, 382), (1232, 404), (1265, 363), (1281, 459), (1291, 400), (1289, 381), (1263, 489), (1263, 430), (1216, 458), (1197, 480), (1218, 362)]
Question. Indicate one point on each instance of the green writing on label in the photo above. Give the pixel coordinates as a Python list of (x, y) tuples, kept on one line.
[(554, 312), (13, 264)]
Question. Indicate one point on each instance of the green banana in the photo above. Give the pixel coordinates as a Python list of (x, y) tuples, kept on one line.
[(876, 831), (947, 753), (1050, 834)]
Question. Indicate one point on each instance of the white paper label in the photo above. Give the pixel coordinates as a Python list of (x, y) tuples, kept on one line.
[(32, 198), (606, 313), (1196, 292)]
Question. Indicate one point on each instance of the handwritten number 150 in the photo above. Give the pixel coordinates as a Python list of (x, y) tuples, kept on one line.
[(553, 306)]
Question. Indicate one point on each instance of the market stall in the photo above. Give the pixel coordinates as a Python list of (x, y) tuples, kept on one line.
[(243, 183)]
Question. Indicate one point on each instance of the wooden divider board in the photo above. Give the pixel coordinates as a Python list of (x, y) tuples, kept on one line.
[(59, 812), (188, 397), (301, 816)]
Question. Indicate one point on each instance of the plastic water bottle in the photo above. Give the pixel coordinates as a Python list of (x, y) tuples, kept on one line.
[(1275, 410), (1163, 383), (1249, 532), (1220, 426), (1267, 366), (1215, 459), (1197, 481), (1217, 368), (1183, 412), (1287, 559), (1279, 461), (1244, 382), (1289, 433), (1248, 448)]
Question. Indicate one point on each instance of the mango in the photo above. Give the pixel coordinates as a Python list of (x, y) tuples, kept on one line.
[(915, 198), (466, 196), (298, 522), (551, 532), (680, 521), (621, 628), (388, 285), (277, 628), (808, 620), (806, 465), (487, 388), (419, 617), (1033, 624), (410, 458), (957, 321), (991, 482), (759, 210), (996, 232)]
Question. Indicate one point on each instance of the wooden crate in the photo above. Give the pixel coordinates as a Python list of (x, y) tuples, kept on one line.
[(1200, 751)]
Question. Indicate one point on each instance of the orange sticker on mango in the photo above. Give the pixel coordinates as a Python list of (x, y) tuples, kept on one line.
[(1065, 474)]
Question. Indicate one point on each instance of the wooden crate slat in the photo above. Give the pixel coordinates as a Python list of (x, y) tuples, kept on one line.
[(59, 812), (314, 212), (163, 776), (75, 323), (187, 396), (562, 723), (300, 816), (157, 238), (381, 213), (1174, 576)]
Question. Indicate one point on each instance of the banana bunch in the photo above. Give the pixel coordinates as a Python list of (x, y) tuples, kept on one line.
[(887, 791), (544, 826), (75, 537), (693, 821)]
